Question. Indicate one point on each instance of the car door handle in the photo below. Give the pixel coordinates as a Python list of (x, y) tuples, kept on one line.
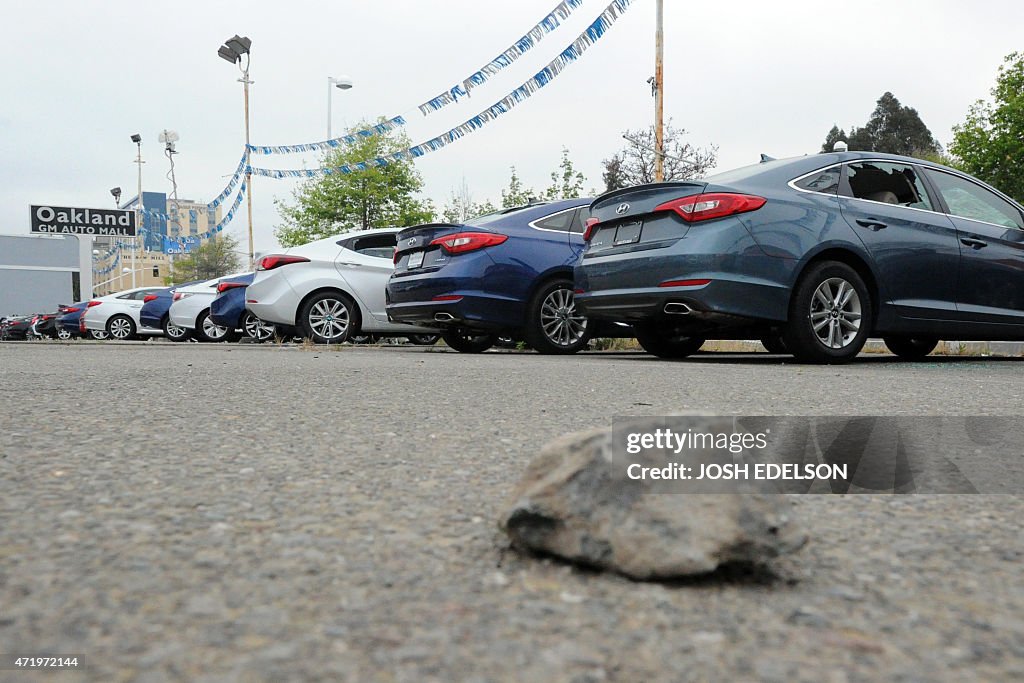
[(973, 242), (348, 263), (871, 224)]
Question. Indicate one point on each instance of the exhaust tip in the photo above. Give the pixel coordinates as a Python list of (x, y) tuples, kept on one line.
[(678, 309), (443, 317)]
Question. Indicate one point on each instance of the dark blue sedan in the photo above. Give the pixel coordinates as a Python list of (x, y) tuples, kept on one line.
[(154, 313), (508, 273), (812, 255), (68, 320), (228, 309)]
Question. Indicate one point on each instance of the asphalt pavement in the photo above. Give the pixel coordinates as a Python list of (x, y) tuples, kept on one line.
[(219, 513)]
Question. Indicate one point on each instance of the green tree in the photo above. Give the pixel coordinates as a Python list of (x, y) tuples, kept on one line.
[(566, 182), (460, 206), (516, 194), (217, 257), (634, 164), (834, 136), (893, 129), (380, 196), (990, 143)]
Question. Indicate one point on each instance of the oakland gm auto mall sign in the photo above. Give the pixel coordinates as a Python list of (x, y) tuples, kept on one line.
[(66, 220)]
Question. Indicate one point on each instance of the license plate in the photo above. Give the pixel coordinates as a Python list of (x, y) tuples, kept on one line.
[(415, 259), (627, 233)]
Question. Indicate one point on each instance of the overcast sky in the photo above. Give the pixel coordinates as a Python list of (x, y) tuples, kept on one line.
[(80, 76)]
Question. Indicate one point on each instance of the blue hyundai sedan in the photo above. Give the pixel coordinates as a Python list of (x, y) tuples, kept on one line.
[(154, 313), (228, 310), (507, 273), (812, 255)]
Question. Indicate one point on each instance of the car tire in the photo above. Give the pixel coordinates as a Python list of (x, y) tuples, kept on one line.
[(424, 339), (466, 341), (911, 348), (207, 331), (98, 335), (665, 342), (820, 329), (175, 333), (256, 329), (329, 312), (553, 323), (64, 334), (774, 343), (121, 328)]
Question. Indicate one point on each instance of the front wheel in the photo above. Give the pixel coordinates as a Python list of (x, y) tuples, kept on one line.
[(666, 343), (829, 315), (121, 328), (911, 348), (329, 318), (553, 323), (465, 341), (208, 331), (424, 339)]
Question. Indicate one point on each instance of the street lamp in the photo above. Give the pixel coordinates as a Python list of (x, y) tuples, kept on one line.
[(116, 193), (232, 51), (137, 139), (341, 83)]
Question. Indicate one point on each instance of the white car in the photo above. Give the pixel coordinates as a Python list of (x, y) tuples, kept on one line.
[(117, 314), (331, 289), (190, 309)]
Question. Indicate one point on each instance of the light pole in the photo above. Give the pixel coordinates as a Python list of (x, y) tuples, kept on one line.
[(659, 87), (341, 83), (232, 51), (137, 139)]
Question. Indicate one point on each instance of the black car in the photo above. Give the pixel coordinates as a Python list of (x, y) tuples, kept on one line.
[(16, 328)]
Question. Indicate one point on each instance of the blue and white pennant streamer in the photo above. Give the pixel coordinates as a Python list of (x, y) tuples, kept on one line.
[(570, 54)]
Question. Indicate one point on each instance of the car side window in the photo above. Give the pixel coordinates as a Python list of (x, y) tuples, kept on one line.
[(579, 221), (379, 246), (825, 181), (970, 200), (888, 183), (560, 221)]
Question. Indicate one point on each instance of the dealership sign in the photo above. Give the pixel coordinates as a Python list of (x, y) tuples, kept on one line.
[(66, 220)]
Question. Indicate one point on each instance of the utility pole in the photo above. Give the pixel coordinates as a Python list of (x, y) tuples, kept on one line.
[(137, 139), (659, 93), (248, 173)]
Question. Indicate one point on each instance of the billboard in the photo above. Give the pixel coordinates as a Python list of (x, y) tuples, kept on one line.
[(66, 220)]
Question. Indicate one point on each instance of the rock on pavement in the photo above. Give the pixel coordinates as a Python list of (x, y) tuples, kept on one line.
[(574, 503)]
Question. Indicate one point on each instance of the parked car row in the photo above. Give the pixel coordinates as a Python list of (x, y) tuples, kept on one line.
[(811, 255)]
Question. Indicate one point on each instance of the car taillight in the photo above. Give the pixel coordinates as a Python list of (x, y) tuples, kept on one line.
[(277, 260), (72, 309), (178, 296), (705, 207), (394, 256), (149, 297), (225, 286), (591, 224), (462, 242), (93, 303)]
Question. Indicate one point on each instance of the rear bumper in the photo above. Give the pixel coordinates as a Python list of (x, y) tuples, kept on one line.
[(474, 311), (272, 299)]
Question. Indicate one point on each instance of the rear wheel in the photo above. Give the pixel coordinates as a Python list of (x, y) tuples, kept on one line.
[(120, 328), (424, 339), (553, 323), (329, 318), (911, 348), (774, 343), (98, 335), (829, 315), (666, 342), (208, 331), (256, 329), (63, 333), (175, 333), (466, 341)]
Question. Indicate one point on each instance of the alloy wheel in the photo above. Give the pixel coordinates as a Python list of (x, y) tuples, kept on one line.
[(120, 328), (63, 334), (329, 318), (561, 322), (835, 313), (212, 330), (257, 329)]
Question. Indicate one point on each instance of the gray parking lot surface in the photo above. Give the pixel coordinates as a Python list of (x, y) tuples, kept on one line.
[(207, 513)]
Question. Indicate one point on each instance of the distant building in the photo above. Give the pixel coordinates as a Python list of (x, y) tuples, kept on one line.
[(38, 273)]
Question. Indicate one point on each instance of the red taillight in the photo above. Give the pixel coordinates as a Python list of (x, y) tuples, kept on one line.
[(462, 242), (448, 297), (705, 207), (278, 260), (149, 297), (176, 296), (81, 324), (225, 286), (72, 309), (394, 256), (591, 224), (93, 303), (685, 283)]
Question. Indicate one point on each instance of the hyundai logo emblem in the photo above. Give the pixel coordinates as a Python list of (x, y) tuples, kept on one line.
[(412, 241), (622, 208)]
